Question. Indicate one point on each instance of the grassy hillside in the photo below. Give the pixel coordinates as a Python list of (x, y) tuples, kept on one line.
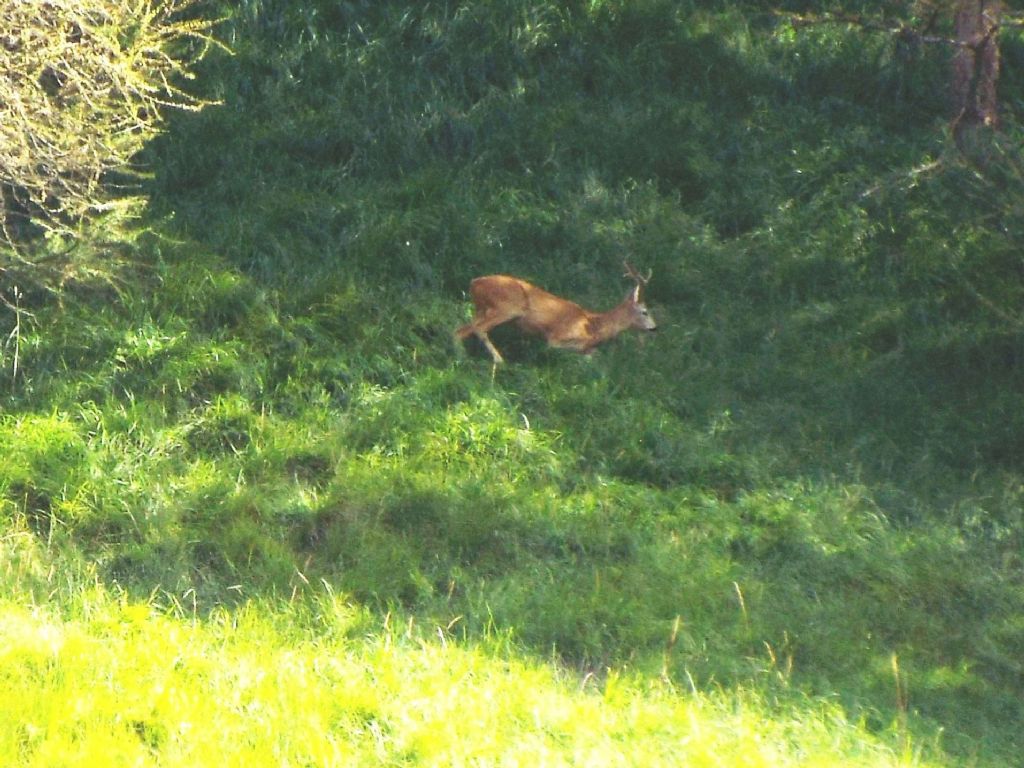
[(250, 480)]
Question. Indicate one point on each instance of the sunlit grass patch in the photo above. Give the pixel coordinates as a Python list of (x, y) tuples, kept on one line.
[(319, 685)]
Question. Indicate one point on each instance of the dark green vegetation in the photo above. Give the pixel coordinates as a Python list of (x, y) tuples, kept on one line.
[(809, 482)]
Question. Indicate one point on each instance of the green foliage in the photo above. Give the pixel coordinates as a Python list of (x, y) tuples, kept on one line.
[(804, 492)]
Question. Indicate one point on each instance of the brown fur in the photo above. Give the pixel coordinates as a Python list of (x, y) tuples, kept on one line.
[(501, 298)]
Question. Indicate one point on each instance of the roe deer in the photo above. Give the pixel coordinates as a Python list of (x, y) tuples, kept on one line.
[(565, 324)]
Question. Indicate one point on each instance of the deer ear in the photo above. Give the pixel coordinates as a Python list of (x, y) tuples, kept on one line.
[(635, 293)]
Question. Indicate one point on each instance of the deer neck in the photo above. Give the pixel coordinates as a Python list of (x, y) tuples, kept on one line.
[(606, 325)]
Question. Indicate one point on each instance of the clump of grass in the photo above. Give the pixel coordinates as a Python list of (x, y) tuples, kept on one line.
[(45, 470)]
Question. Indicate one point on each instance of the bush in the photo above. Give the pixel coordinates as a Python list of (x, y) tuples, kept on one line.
[(83, 88)]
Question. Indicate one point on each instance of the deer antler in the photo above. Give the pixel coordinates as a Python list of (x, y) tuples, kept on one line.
[(632, 273)]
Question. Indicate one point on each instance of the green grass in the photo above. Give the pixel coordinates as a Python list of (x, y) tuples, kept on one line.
[(125, 682), (255, 501)]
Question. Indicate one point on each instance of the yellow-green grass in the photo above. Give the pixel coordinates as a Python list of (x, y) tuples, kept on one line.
[(116, 683)]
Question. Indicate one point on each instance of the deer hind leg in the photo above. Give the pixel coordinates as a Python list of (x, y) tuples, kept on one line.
[(470, 329), (479, 327), (495, 354)]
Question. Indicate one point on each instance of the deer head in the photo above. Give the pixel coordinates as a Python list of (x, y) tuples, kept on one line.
[(640, 317)]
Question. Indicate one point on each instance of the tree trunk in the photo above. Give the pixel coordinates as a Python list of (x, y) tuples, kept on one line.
[(975, 69)]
